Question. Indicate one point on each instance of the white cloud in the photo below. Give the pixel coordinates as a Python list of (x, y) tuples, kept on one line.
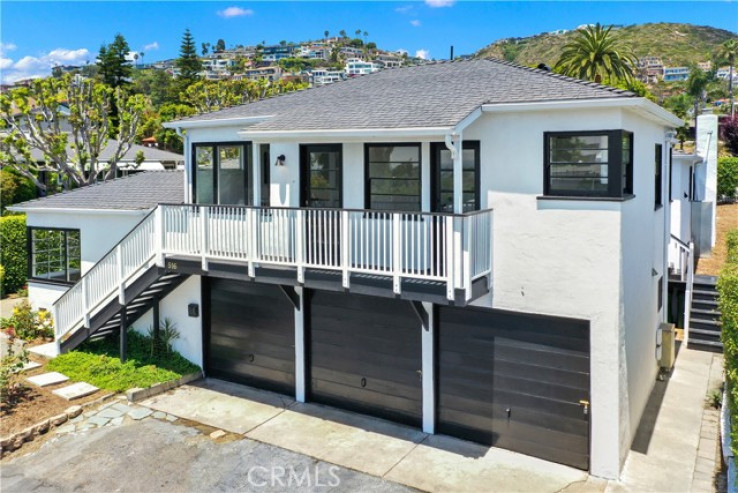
[(415, 22), (439, 3), (6, 47), (235, 12), (424, 54), (404, 10), (151, 46), (30, 67)]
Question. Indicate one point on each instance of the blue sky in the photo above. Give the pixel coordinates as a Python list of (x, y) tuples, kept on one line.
[(37, 35)]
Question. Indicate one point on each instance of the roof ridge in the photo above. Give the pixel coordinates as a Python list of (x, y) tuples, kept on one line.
[(535, 70)]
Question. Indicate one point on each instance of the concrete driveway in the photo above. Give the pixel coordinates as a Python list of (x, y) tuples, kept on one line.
[(157, 455), (373, 446)]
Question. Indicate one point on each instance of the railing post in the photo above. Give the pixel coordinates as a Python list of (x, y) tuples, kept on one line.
[(86, 302), (253, 247), (159, 236), (466, 228), (204, 236), (396, 253), (450, 258), (345, 259), (121, 275), (300, 245), (688, 292)]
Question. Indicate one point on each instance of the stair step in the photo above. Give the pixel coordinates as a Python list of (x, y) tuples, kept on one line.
[(710, 280), (705, 321), (701, 292), (705, 302), (708, 312), (712, 344), (704, 332)]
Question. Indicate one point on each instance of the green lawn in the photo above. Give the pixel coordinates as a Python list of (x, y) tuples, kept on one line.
[(98, 363)]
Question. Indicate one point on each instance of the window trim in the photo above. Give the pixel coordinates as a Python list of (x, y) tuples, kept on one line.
[(435, 161), (248, 177), (658, 178), (30, 253), (615, 186), (367, 180)]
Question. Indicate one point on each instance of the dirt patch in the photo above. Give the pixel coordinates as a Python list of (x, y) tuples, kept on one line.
[(726, 220), (29, 404)]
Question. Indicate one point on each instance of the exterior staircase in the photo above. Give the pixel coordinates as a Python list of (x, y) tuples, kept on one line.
[(704, 323)]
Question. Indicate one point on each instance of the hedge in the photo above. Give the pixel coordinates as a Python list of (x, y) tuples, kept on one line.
[(15, 188), (13, 255), (728, 302), (727, 176)]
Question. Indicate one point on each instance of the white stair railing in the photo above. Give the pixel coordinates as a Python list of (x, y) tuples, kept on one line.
[(106, 279)]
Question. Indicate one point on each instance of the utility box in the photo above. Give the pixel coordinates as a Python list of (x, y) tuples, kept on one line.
[(667, 335)]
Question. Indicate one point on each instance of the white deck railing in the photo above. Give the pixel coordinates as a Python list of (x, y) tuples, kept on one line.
[(455, 249)]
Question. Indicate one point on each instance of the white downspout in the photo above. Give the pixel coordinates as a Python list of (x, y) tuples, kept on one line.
[(188, 165)]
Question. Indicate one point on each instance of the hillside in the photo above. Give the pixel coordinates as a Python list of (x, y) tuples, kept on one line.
[(676, 44)]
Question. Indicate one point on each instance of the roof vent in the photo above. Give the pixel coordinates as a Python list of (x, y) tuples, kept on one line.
[(543, 66)]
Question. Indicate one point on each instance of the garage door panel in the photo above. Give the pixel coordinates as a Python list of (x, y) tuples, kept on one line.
[(514, 381), (252, 334), (360, 340)]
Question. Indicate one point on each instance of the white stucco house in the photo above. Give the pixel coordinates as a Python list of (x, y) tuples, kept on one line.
[(473, 248)]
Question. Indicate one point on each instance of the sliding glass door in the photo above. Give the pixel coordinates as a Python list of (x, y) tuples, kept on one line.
[(223, 174)]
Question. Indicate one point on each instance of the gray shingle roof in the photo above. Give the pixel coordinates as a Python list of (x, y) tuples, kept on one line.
[(433, 95), (150, 153), (138, 191)]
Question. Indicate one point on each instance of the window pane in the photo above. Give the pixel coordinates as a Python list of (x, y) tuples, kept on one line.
[(265, 175), (231, 175), (626, 164), (55, 255), (394, 177), (579, 142), (578, 164), (579, 156), (204, 175)]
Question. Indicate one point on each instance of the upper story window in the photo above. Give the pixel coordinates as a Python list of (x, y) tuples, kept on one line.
[(442, 179), (54, 255), (589, 163), (223, 173), (658, 176), (393, 177)]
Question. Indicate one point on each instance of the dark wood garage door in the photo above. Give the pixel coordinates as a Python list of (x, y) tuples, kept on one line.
[(252, 335), (515, 381), (365, 355)]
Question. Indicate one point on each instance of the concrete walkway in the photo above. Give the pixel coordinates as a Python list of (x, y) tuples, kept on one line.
[(373, 446), (664, 455)]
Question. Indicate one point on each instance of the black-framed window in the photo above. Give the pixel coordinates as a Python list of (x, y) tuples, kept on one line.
[(660, 294), (658, 176), (223, 173), (393, 177), (54, 255), (265, 153), (443, 177), (588, 163)]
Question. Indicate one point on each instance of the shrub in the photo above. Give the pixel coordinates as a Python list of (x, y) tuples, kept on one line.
[(729, 134), (13, 255), (727, 176), (15, 188), (10, 364), (728, 301), (28, 324)]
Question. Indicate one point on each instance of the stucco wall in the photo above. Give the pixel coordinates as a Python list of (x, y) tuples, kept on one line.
[(99, 232)]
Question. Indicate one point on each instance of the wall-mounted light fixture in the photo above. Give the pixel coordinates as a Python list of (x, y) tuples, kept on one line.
[(280, 160)]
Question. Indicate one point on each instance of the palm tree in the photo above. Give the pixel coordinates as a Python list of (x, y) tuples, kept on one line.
[(728, 51), (696, 89), (596, 54)]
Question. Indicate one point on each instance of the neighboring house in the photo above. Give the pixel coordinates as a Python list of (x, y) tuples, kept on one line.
[(315, 51), (675, 74), (218, 64), (472, 248), (275, 53), (269, 73), (389, 60), (323, 76), (356, 66)]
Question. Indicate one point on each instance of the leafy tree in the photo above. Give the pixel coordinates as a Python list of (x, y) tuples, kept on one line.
[(33, 117), (357, 32), (167, 137), (696, 88), (220, 46), (113, 66), (728, 52), (342, 33), (205, 48), (326, 33), (596, 54), (14, 188), (371, 45), (680, 105), (727, 176), (56, 72), (188, 63), (207, 96), (637, 87), (157, 85)]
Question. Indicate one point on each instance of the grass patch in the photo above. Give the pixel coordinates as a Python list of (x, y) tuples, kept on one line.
[(98, 363)]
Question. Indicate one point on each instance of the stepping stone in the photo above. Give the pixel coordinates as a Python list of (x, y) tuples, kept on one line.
[(139, 413), (160, 415), (121, 407), (31, 365), (116, 421), (110, 413), (97, 421), (46, 379), (48, 350), (217, 434), (65, 429), (75, 391)]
